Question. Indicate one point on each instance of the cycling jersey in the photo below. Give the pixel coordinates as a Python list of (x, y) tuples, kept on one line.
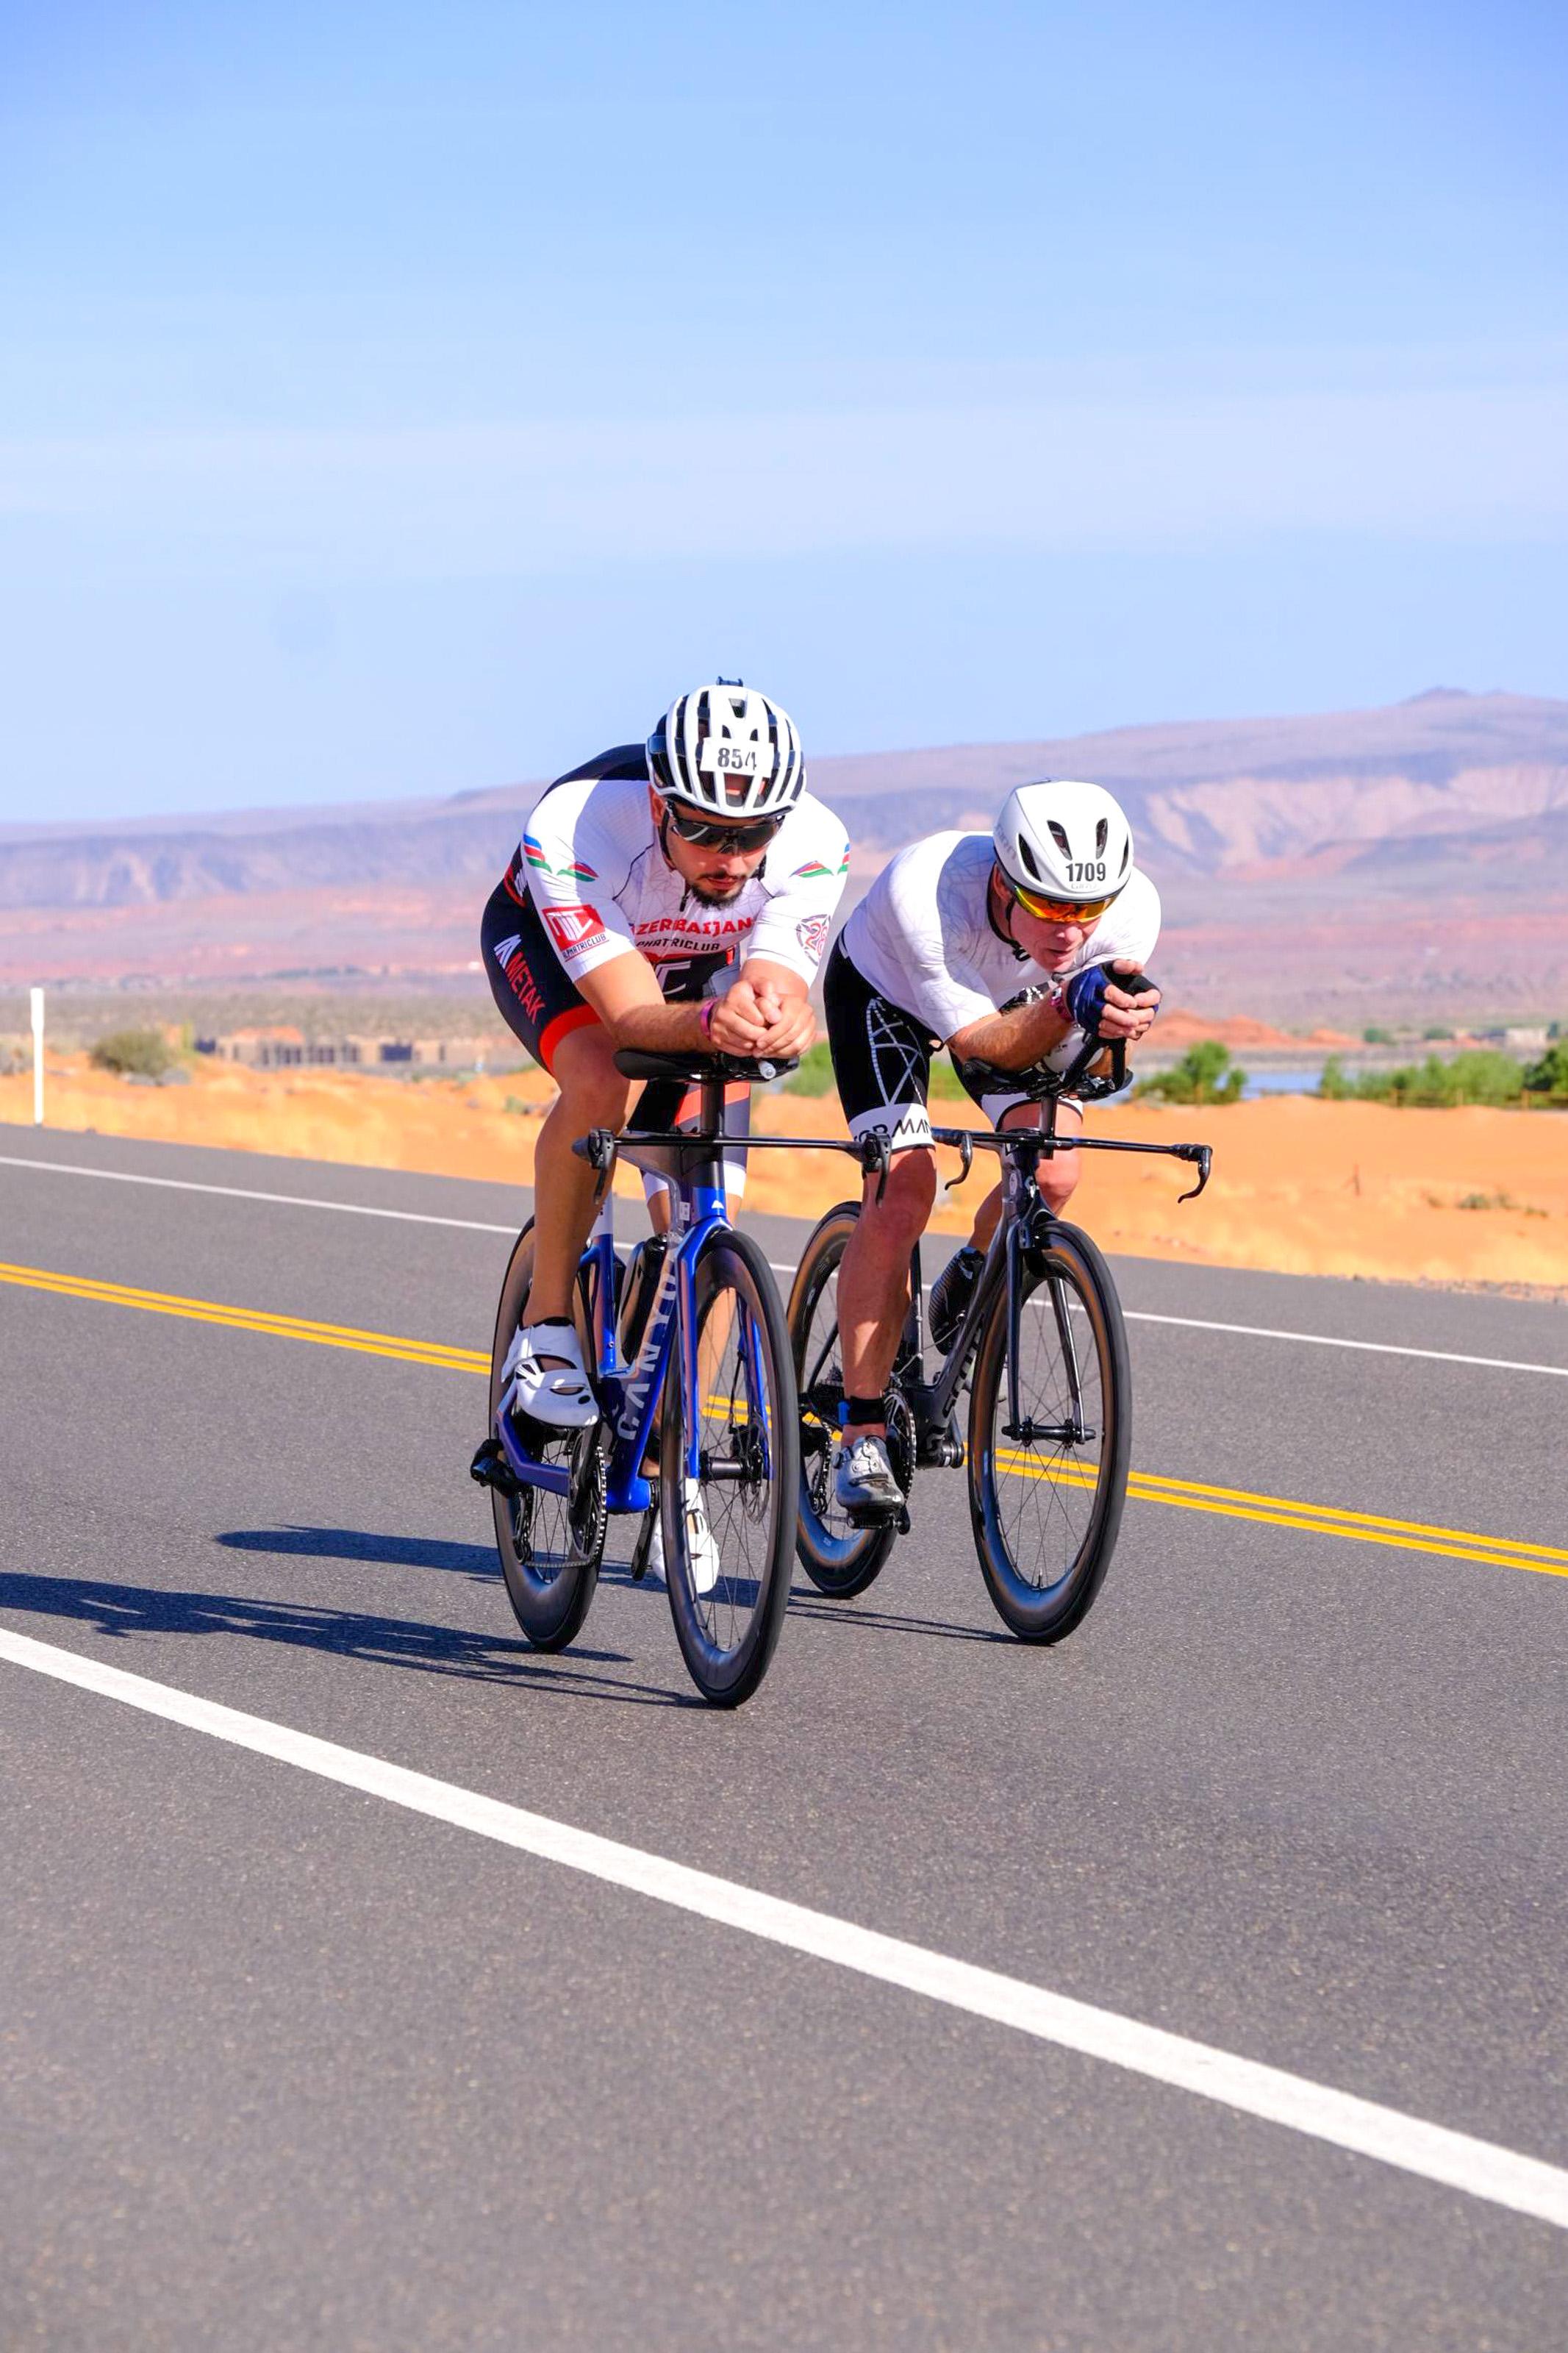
[(591, 864), (923, 936), (919, 961)]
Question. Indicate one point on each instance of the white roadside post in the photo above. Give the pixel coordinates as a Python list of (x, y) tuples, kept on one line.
[(37, 997)]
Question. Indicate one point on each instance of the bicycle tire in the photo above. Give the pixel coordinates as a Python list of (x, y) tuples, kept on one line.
[(728, 1634), (550, 1608), (1051, 1475), (839, 1564)]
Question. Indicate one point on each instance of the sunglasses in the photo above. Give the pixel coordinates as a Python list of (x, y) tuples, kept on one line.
[(1057, 911), (706, 833)]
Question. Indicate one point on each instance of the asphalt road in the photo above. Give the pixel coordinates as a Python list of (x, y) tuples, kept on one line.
[(285, 2065)]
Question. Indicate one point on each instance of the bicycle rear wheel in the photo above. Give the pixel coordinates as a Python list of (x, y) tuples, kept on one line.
[(729, 1531), (1046, 1491), (839, 1558), (550, 1546)]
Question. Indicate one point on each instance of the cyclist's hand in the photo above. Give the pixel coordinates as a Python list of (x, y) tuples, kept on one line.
[(740, 1026), (791, 1023), (1103, 1007)]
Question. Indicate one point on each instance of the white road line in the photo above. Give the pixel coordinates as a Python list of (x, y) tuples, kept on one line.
[(1326, 1340), (1525, 2185), (475, 1226), (243, 1193)]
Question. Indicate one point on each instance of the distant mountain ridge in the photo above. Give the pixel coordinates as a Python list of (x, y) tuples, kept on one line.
[(1409, 862)]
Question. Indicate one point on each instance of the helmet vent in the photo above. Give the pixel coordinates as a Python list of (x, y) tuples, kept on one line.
[(1058, 835), (1027, 858), (1100, 831)]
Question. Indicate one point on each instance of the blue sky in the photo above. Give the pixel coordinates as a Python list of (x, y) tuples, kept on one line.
[(405, 401)]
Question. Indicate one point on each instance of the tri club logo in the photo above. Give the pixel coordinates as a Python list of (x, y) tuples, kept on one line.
[(572, 929)]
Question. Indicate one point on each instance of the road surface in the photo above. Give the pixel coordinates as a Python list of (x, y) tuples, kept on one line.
[(291, 2062)]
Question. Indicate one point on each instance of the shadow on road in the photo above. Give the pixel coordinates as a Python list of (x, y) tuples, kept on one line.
[(127, 1610), (818, 1608), (363, 1543)]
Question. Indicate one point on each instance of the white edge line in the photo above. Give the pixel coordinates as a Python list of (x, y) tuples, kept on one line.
[(244, 1193), (1329, 1340), (1524, 2185), (474, 1226)]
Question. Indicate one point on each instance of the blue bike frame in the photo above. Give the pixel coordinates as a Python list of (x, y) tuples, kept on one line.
[(631, 1392)]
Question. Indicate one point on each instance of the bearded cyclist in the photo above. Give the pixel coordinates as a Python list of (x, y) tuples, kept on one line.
[(674, 896), (1010, 949)]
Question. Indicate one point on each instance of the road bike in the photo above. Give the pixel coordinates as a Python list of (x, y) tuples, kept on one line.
[(689, 1353), (1043, 1349)]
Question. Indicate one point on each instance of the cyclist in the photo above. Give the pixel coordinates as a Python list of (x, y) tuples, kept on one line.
[(675, 896), (1007, 948)]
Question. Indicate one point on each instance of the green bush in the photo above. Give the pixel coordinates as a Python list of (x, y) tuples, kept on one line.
[(1203, 1075), (815, 1076), (1375, 1037), (1480, 1075), (1549, 1077), (134, 1053)]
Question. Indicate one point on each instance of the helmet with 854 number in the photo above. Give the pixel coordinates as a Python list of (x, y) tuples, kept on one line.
[(727, 749), (1064, 842)]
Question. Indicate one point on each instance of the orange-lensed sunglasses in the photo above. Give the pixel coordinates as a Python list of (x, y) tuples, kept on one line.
[(1057, 911)]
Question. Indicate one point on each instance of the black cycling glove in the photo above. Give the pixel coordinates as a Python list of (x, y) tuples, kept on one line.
[(1084, 993)]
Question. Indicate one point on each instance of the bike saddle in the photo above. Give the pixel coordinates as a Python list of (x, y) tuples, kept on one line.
[(633, 1064)]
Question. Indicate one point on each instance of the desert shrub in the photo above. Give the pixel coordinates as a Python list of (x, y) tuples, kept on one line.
[(1549, 1077), (815, 1076), (1481, 1075), (1376, 1036), (134, 1053), (1204, 1075)]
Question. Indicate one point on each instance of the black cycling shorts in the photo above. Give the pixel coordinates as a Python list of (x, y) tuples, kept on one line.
[(882, 1061)]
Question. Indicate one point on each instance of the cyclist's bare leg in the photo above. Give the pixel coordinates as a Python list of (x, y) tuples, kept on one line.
[(1055, 1176), (593, 1094), (874, 1275)]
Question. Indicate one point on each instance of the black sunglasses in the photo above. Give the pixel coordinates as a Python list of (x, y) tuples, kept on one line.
[(706, 833)]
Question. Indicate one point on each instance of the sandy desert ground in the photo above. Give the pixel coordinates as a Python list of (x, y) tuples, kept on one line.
[(1300, 1186)]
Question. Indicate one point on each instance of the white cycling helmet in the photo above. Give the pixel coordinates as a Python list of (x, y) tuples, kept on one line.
[(1064, 840), (727, 749)]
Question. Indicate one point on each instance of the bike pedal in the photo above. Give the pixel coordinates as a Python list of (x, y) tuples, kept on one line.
[(490, 1468), (874, 1516)]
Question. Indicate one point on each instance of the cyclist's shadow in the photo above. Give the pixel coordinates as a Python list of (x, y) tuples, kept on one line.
[(127, 1610)]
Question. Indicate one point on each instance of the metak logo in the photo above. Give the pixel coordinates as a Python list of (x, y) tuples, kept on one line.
[(505, 950)]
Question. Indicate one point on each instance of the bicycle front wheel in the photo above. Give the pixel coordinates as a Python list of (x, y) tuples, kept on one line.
[(550, 1546), (1049, 1439), (727, 1519), (840, 1558)]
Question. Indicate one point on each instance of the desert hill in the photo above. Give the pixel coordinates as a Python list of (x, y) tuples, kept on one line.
[(1309, 865)]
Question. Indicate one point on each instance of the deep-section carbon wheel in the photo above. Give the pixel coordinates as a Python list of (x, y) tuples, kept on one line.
[(839, 1558), (1048, 1451), (549, 1544), (729, 1532)]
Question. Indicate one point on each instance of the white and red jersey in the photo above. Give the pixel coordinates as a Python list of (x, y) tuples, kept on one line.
[(922, 936), (591, 862)]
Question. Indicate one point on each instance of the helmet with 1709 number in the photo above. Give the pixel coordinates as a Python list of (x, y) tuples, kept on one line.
[(727, 749), (1065, 842)]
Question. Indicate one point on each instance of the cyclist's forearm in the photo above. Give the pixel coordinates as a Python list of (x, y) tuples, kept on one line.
[(1013, 1042), (659, 1029)]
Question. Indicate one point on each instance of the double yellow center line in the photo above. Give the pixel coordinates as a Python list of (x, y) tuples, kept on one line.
[(1312, 1519), (1182, 1494)]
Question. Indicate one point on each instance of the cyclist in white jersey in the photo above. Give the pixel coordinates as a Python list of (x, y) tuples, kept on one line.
[(673, 896), (1007, 947)]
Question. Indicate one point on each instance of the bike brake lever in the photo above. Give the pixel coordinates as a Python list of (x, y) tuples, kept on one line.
[(966, 1157), (1202, 1155), (875, 1154)]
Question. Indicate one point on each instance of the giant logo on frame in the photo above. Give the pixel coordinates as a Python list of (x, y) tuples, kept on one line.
[(572, 929)]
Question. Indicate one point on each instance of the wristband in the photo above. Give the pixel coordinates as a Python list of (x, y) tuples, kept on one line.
[(705, 1013)]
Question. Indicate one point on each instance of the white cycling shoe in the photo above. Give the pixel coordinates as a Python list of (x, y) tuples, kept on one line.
[(700, 1546), (549, 1380)]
